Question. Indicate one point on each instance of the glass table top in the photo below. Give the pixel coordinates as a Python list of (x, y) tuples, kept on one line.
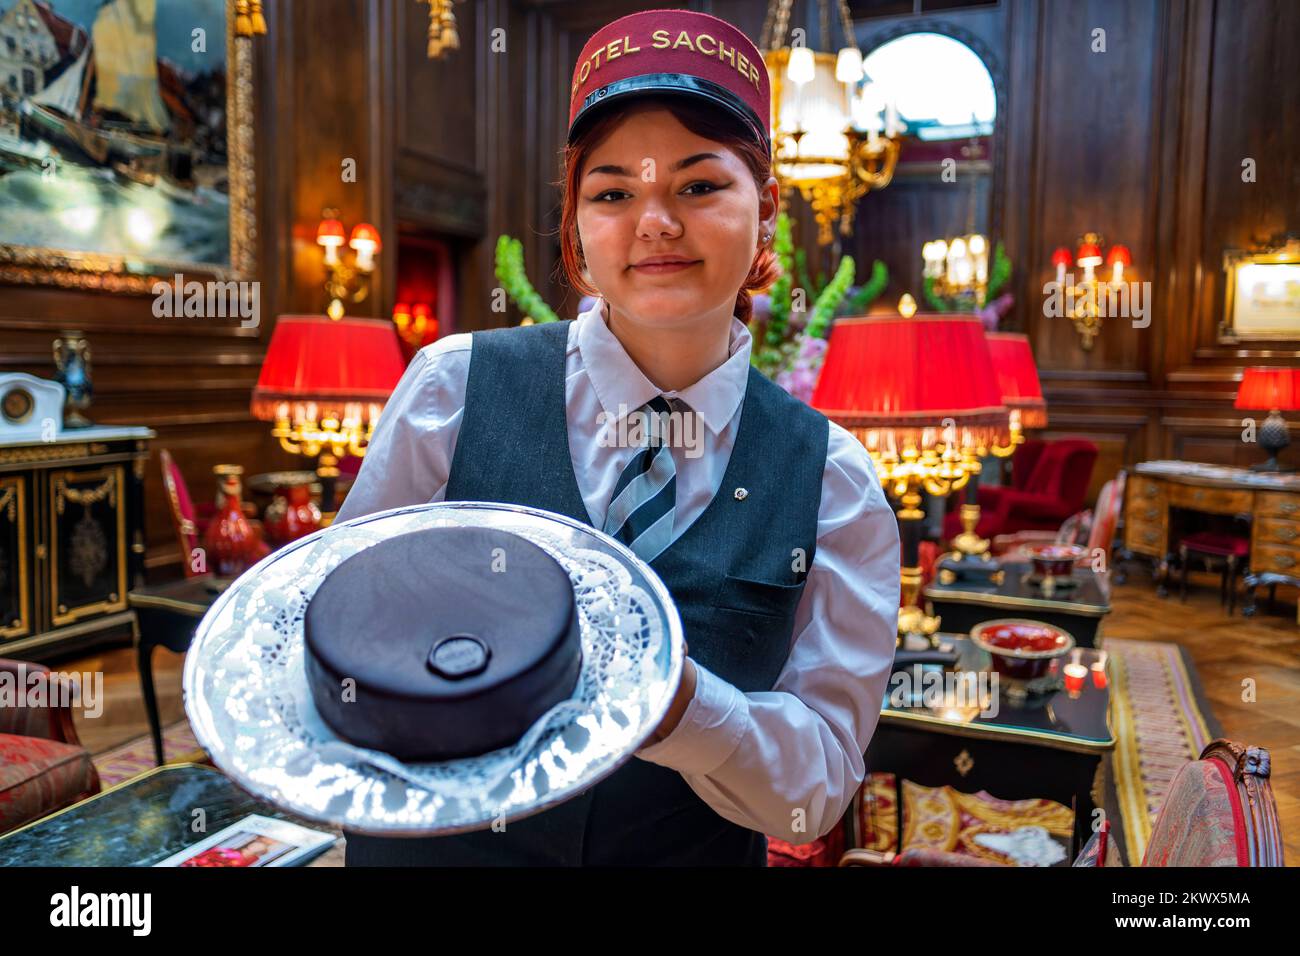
[(137, 823), (1018, 590), (963, 701)]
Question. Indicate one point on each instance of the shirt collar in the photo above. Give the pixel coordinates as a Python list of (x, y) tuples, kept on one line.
[(619, 381)]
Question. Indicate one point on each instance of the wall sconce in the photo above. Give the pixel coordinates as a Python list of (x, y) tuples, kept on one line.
[(416, 324), (346, 283), (1084, 301)]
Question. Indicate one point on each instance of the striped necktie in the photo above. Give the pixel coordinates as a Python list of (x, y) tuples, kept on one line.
[(640, 511)]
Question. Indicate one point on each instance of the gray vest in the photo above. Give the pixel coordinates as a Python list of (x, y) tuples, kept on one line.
[(731, 574)]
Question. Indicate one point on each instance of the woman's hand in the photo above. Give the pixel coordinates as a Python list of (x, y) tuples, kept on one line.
[(681, 700)]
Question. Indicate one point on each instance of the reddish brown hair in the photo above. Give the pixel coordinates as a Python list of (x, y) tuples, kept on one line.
[(702, 120)]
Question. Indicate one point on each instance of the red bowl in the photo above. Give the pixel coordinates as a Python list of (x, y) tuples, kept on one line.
[(1021, 649), (1056, 560)]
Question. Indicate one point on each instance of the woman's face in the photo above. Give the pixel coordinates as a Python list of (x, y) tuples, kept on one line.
[(654, 190)]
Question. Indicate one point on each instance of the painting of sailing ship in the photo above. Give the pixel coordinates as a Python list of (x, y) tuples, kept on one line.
[(114, 119)]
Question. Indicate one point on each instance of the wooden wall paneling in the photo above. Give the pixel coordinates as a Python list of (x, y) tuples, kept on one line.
[(1021, 230), (918, 203), (1096, 166), (333, 93), (1240, 96)]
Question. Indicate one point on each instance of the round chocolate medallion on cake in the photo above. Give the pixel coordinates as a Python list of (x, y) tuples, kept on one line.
[(455, 640)]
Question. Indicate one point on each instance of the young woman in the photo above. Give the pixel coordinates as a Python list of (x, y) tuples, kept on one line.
[(766, 522)]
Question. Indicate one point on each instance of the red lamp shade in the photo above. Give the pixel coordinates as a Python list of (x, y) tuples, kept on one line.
[(1061, 257), (349, 366), (1013, 360), (330, 233), (364, 234), (893, 381), (1089, 252), (1269, 388), (1119, 254)]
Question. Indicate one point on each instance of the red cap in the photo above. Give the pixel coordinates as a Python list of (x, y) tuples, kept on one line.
[(674, 52)]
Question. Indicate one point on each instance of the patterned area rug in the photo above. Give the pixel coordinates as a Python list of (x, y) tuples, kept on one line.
[(1161, 720), (136, 756)]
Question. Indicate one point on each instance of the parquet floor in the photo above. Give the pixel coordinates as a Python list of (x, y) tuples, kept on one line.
[(1227, 652)]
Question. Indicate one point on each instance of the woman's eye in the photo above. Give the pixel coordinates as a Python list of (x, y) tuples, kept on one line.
[(616, 193), (708, 188)]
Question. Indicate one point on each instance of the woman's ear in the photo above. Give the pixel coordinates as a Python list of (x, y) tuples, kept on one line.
[(769, 204)]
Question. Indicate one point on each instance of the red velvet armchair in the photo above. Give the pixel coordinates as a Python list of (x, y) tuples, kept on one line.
[(43, 766), (1050, 483)]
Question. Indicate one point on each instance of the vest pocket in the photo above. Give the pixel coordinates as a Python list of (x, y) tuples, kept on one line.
[(757, 597)]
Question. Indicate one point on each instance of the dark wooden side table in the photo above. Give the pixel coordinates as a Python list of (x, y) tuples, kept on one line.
[(1052, 751), (1078, 610), (143, 821), (166, 616)]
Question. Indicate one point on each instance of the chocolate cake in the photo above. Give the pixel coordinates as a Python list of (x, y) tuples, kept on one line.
[(457, 639)]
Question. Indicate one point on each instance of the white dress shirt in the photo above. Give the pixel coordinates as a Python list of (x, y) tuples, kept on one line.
[(785, 762)]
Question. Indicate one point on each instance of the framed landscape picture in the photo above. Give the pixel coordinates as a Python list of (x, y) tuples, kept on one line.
[(126, 144), (1263, 294)]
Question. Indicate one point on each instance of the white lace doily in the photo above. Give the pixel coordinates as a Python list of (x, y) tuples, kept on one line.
[(247, 697)]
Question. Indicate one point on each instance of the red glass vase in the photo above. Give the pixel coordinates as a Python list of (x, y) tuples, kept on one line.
[(291, 515), (233, 545)]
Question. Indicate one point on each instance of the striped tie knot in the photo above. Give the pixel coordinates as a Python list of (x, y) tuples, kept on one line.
[(641, 509)]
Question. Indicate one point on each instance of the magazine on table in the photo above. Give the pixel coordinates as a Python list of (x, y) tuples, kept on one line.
[(254, 841)]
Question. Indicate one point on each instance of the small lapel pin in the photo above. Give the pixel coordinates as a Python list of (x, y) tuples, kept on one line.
[(741, 494)]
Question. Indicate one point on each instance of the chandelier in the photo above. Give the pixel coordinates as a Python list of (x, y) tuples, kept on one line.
[(834, 136), (958, 268)]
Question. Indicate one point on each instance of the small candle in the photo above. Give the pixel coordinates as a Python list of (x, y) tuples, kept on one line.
[(1074, 675), (1117, 273), (1099, 672), (1060, 273)]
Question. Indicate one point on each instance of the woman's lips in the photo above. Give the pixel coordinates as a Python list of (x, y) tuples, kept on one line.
[(663, 268)]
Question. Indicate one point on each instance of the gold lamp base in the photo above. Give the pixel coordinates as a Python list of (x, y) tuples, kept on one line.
[(968, 544), (916, 629)]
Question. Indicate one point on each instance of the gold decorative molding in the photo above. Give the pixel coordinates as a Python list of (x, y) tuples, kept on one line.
[(85, 496), (13, 503), (34, 454), (113, 477), (964, 762)]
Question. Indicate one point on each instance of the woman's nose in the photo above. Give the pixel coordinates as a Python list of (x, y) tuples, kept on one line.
[(656, 222)]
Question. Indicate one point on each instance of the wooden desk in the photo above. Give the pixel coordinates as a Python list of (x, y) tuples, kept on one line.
[(1270, 501)]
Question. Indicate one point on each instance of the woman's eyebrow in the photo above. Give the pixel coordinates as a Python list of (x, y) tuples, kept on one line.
[(612, 170)]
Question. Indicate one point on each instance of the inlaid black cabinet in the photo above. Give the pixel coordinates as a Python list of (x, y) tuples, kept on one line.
[(71, 539)]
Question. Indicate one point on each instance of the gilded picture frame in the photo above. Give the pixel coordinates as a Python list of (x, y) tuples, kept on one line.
[(1262, 294), (48, 127)]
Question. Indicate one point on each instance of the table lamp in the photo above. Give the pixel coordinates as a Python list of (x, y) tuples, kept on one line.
[(323, 383), (1275, 389), (922, 397), (1017, 375)]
